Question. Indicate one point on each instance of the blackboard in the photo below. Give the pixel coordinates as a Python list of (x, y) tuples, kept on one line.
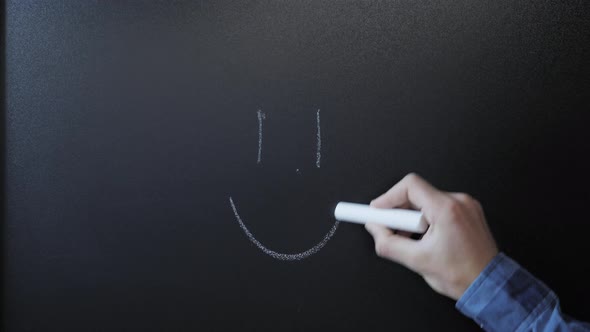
[(130, 125)]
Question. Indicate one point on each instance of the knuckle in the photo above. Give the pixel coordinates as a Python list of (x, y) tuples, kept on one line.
[(412, 177), (454, 208), (464, 198), (469, 201), (450, 203)]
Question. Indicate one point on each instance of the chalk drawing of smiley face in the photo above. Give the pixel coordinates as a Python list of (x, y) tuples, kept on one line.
[(277, 255)]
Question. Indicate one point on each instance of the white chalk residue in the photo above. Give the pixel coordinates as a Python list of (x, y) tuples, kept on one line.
[(319, 146), (278, 255), (261, 117)]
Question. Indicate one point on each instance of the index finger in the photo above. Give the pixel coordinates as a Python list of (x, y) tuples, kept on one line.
[(411, 190)]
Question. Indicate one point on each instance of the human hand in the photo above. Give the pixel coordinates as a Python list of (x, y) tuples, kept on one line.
[(457, 245)]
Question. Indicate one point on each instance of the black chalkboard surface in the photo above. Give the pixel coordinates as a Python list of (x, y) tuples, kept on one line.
[(130, 125)]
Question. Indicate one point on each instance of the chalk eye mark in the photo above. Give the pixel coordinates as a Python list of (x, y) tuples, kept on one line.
[(319, 141), (261, 117)]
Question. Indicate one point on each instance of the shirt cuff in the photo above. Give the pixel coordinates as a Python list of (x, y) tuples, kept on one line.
[(504, 296)]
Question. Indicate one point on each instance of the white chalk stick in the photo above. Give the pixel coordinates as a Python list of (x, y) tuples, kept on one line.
[(400, 219)]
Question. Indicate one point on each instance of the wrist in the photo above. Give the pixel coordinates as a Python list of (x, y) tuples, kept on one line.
[(472, 274)]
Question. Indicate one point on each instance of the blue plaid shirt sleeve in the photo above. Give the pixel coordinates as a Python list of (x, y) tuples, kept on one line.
[(506, 297)]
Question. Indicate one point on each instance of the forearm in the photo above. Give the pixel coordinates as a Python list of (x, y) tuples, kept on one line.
[(506, 297)]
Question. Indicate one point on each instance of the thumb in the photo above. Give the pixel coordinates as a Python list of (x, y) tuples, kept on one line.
[(397, 248)]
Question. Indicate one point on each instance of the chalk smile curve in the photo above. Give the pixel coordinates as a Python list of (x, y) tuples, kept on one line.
[(278, 255)]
